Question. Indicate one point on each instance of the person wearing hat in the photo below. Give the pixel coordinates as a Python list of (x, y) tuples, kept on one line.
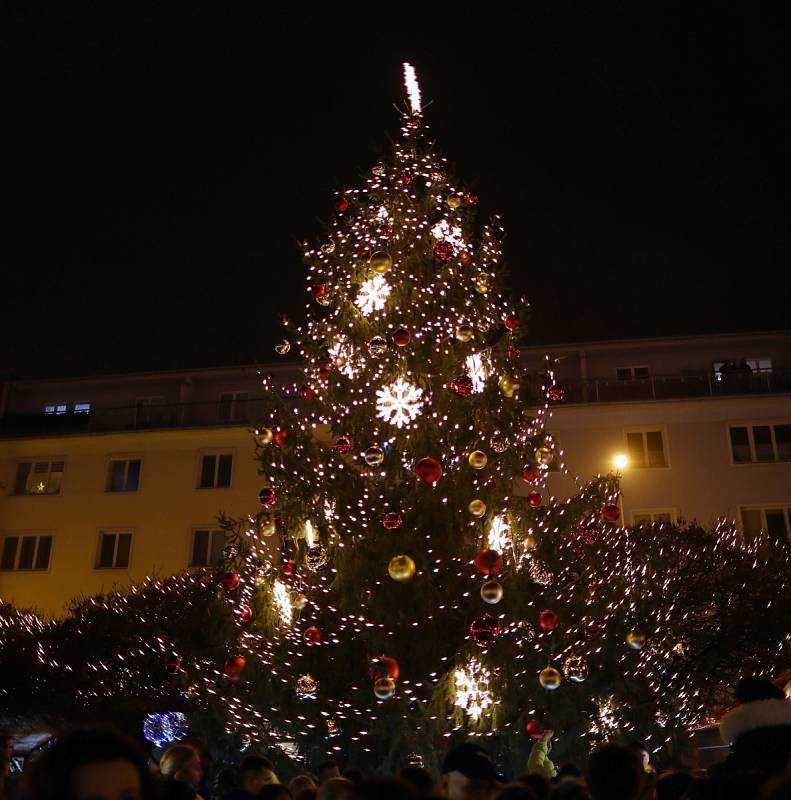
[(468, 773)]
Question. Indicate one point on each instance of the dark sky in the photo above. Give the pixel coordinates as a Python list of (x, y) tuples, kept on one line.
[(161, 160)]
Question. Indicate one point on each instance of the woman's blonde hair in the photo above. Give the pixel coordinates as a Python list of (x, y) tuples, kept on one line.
[(175, 758)]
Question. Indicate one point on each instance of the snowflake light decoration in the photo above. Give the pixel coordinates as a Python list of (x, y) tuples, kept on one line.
[(163, 728), (472, 688), (344, 358), (478, 369), (283, 603), (372, 295), (499, 537), (399, 403), (454, 236)]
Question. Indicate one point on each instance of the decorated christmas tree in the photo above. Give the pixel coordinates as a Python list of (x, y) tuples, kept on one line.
[(406, 578)]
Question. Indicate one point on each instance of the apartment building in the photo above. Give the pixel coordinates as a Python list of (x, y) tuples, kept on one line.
[(107, 479)]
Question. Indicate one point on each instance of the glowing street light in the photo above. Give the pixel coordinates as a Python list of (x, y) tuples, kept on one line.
[(620, 461)]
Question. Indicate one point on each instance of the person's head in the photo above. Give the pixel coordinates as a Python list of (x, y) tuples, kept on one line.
[(181, 762), (90, 764), (468, 773), (300, 783), (353, 774), (537, 784), (421, 780), (274, 791), (672, 785), (306, 794), (335, 789), (516, 791), (328, 769), (255, 772), (742, 785), (569, 770), (615, 773), (757, 688), (643, 753), (383, 789), (570, 789)]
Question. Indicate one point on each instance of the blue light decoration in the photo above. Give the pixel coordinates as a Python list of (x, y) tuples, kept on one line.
[(164, 728)]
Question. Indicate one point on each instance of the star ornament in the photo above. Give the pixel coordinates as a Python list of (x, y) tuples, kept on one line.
[(399, 403)]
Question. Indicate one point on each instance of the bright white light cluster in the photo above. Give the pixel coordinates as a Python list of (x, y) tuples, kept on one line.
[(472, 688), (373, 295), (343, 357), (412, 88), (478, 369), (443, 232), (283, 602), (399, 403), (499, 537)]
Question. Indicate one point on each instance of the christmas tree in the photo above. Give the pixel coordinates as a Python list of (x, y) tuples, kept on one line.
[(407, 579)]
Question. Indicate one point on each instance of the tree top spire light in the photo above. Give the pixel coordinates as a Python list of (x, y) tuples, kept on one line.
[(412, 88)]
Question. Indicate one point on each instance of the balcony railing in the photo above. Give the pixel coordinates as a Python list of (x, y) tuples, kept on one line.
[(215, 413)]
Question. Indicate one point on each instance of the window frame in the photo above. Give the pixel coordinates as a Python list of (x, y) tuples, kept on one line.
[(632, 376), (127, 457), (219, 451), (56, 409), (644, 429), (39, 460), (235, 401), (762, 423), (20, 535), (116, 531), (76, 410), (762, 508), (145, 402), (211, 530), (652, 512)]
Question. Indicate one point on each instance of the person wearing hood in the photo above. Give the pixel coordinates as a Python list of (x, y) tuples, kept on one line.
[(758, 730)]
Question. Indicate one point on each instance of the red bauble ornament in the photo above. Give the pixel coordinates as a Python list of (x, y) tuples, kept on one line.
[(267, 496), (245, 613), (484, 630), (513, 351), (405, 177), (312, 635), (443, 250), (462, 385), (529, 473), (548, 620), (325, 370), (534, 498), (471, 199), (318, 291), (428, 470), (173, 665), (386, 231), (556, 393), (343, 444), (280, 438), (341, 205), (489, 562), (465, 257), (235, 664), (413, 122), (401, 337), (289, 568), (588, 532), (385, 667), (307, 392), (534, 729), (230, 581), (511, 322), (392, 520), (611, 512)]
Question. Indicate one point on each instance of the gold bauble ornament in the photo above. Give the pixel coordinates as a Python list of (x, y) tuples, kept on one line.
[(374, 456), (263, 436), (635, 640), (464, 333), (454, 201), (380, 262), (268, 527), (508, 384), (478, 459), (245, 740), (477, 508), (401, 568), (544, 455), (384, 688), (299, 601), (491, 592), (482, 283), (550, 678), (530, 542)]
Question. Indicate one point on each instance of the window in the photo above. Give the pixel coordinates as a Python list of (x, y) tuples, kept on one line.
[(55, 408), (39, 477), (207, 547), (215, 471), (646, 448), (628, 373), (82, 408), (150, 411), (761, 442), (775, 521), (757, 366), (26, 552), (653, 516), (114, 547), (232, 407), (124, 475)]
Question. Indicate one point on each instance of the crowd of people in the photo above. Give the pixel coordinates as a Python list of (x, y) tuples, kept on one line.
[(101, 765)]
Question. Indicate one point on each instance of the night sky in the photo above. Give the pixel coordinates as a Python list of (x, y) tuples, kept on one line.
[(162, 160)]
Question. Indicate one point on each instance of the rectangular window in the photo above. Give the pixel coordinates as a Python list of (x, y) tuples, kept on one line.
[(232, 407), (124, 475), (775, 521), (207, 547), (26, 552), (646, 448), (758, 366), (114, 548), (629, 373), (82, 408), (760, 443), (55, 408), (216, 471), (150, 411), (654, 516), (38, 477)]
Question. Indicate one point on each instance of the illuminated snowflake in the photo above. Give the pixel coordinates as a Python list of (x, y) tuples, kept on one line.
[(283, 602), (373, 294), (472, 688), (499, 537), (454, 236), (399, 403), (344, 357), (478, 369)]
